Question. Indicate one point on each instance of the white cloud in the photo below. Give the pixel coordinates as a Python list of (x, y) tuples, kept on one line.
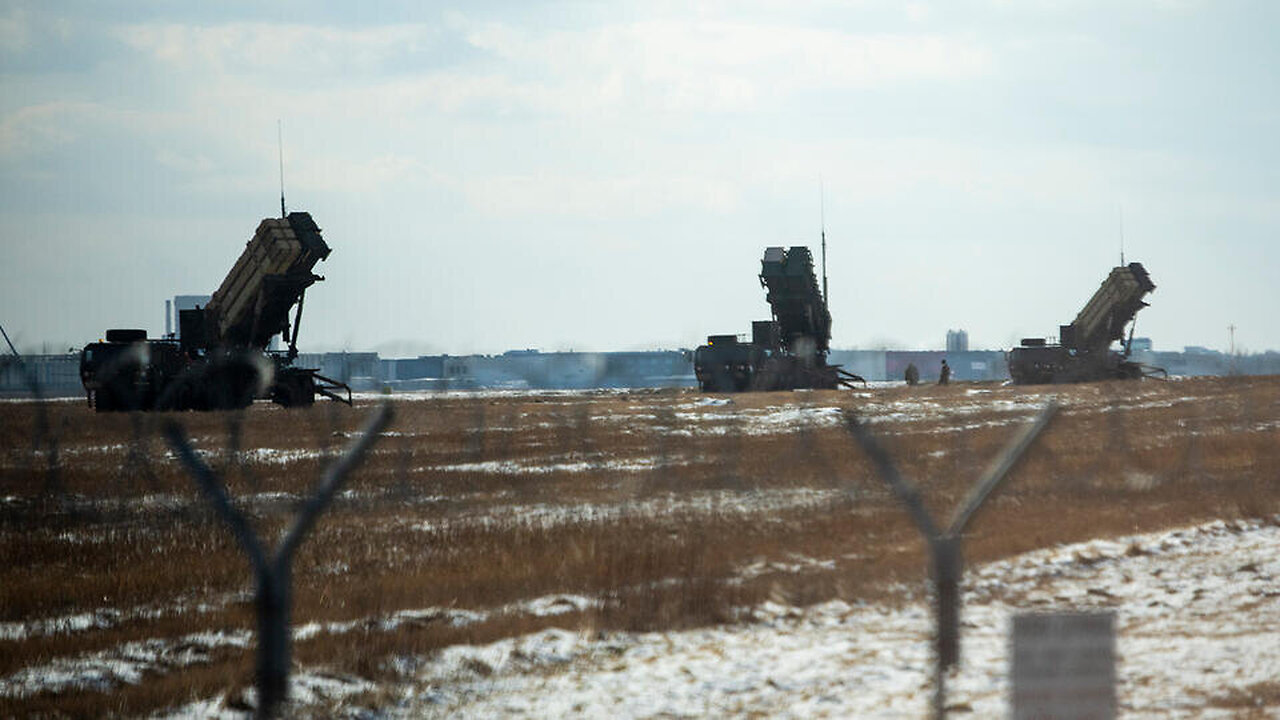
[(15, 31), (300, 52), (39, 127), (654, 65), (196, 164), (937, 130), (586, 196), (240, 75), (375, 174), (716, 66)]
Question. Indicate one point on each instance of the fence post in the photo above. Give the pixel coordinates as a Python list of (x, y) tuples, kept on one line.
[(273, 575), (944, 546), (43, 439)]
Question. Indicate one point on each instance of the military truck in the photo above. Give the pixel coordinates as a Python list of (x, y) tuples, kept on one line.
[(787, 352), (220, 358), (1083, 352)]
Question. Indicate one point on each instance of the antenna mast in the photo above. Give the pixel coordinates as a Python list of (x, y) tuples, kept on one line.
[(1122, 234), (19, 355), (822, 214), (280, 146)]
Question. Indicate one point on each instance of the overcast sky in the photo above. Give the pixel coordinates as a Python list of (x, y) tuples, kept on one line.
[(605, 176)]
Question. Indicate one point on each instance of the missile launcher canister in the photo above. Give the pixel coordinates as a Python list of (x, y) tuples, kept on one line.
[(252, 304)]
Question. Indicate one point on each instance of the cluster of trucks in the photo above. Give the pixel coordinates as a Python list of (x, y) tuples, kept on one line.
[(220, 358), (790, 350)]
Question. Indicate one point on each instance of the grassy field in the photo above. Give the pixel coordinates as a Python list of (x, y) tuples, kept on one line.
[(489, 515)]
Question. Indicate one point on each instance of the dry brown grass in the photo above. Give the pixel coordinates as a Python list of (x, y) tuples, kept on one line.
[(115, 523), (1258, 700)]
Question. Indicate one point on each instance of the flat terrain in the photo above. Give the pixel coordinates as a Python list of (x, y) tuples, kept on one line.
[(624, 552)]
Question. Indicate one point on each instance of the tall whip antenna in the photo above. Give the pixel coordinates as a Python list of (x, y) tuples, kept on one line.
[(280, 146), (14, 350), (822, 215), (1121, 234)]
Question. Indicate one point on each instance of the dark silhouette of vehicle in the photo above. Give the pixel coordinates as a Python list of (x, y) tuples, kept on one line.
[(788, 352), (1083, 352), (220, 359)]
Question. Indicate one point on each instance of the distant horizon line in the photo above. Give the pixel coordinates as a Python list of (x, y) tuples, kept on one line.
[(1195, 349)]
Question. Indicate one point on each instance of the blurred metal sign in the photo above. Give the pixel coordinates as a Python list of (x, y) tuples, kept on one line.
[(1064, 666)]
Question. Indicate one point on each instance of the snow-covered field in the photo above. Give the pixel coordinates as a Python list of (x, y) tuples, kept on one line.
[(1197, 607), (1198, 610), (1197, 613)]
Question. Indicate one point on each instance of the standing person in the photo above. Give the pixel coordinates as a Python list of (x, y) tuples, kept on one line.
[(944, 377), (912, 375)]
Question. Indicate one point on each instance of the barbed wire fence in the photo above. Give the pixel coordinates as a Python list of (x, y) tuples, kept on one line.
[(490, 434), (944, 543), (273, 571), (44, 442)]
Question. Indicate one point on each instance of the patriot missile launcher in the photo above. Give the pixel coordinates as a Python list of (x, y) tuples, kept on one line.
[(788, 352), (220, 359), (1083, 352)]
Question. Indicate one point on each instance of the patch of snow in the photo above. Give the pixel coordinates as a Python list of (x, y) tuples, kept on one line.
[(65, 624), (1198, 611), (306, 688), (795, 563), (557, 605), (449, 616), (752, 502), (511, 467), (104, 618), (124, 664), (279, 456)]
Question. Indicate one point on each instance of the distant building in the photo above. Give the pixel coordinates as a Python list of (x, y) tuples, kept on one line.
[(957, 341), (46, 375), (58, 375), (360, 370), (525, 369)]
